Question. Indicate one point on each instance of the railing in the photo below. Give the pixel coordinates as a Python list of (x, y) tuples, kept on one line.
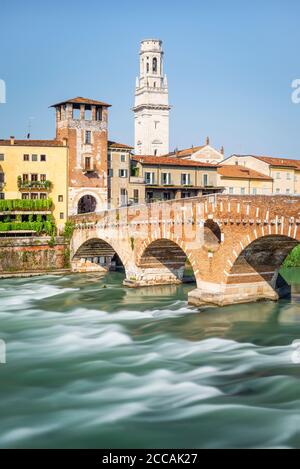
[(136, 180), (210, 198)]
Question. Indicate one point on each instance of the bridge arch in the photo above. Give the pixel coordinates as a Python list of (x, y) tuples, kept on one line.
[(256, 265), (96, 255), (165, 260)]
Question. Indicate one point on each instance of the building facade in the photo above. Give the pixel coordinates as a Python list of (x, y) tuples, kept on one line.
[(35, 170), (83, 124), (284, 172), (241, 180), (151, 106)]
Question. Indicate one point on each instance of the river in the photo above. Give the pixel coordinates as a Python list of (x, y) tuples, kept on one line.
[(91, 364)]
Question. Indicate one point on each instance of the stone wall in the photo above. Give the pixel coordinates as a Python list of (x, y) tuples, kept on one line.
[(33, 255)]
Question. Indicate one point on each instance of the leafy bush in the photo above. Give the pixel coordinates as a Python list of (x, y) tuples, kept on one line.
[(293, 259), (39, 226), (68, 230), (9, 205)]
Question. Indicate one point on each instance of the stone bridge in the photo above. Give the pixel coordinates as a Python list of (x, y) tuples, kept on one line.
[(234, 244)]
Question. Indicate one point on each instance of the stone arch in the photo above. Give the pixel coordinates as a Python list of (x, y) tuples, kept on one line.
[(164, 259), (96, 255), (257, 263), (78, 194), (87, 204)]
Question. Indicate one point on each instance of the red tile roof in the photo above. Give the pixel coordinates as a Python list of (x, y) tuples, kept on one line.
[(273, 161), (241, 172), (283, 162), (186, 151), (119, 145), (33, 143), (171, 161), (80, 100)]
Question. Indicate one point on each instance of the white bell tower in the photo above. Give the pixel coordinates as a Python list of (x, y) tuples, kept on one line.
[(151, 102)]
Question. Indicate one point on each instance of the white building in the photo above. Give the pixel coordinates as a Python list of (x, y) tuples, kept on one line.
[(151, 102)]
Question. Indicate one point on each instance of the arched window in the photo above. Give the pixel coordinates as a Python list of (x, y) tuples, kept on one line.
[(87, 204), (154, 65)]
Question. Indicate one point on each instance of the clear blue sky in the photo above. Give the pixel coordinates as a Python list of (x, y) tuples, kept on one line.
[(230, 64)]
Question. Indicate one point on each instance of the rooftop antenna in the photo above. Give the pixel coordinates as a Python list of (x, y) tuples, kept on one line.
[(29, 127)]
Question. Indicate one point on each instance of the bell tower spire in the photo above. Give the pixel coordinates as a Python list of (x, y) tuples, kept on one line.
[(151, 102)]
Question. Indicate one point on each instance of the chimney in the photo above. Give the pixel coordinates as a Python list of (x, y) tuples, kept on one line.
[(207, 140), (222, 150), (12, 140)]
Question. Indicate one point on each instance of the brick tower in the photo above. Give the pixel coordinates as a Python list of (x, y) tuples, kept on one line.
[(83, 123)]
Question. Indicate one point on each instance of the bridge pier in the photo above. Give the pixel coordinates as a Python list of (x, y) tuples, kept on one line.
[(215, 294), (154, 276)]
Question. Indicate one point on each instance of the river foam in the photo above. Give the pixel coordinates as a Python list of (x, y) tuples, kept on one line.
[(128, 374)]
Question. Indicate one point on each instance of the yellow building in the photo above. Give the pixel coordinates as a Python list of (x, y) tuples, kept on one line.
[(36, 170), (241, 180), (285, 172)]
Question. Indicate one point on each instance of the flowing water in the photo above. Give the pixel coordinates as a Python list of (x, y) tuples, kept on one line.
[(91, 364)]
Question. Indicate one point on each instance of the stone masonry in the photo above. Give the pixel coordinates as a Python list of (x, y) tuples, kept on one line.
[(235, 244)]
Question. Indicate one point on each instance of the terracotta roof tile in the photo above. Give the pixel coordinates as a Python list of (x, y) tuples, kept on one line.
[(119, 145), (276, 161), (81, 100), (241, 172), (171, 161), (186, 151), (33, 143)]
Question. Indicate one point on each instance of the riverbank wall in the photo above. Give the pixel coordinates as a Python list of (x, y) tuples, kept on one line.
[(33, 255)]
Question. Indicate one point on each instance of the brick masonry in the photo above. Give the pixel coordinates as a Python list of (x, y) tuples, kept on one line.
[(235, 244)]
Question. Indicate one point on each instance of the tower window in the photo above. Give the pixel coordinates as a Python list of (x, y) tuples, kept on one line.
[(43, 177), (60, 198), (34, 157), (88, 114), (43, 157), (76, 113), (99, 113), (148, 68), (88, 137), (1, 157), (154, 65), (25, 157)]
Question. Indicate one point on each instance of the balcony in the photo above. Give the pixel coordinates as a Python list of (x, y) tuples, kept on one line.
[(136, 180), (34, 185)]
